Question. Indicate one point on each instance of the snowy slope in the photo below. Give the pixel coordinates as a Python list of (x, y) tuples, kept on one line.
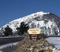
[(49, 21), (55, 41)]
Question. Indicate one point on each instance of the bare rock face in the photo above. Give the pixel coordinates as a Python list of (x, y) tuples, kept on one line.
[(27, 45), (49, 21)]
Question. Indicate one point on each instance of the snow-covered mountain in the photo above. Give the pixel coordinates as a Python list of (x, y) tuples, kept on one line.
[(49, 21)]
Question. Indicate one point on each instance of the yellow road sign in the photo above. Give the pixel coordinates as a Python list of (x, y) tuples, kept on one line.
[(34, 31)]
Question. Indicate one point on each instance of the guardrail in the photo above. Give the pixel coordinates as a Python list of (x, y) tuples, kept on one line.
[(53, 36)]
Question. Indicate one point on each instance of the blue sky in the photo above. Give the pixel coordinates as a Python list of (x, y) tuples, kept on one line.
[(14, 9)]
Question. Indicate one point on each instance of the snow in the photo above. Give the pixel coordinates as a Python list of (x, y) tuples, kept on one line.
[(41, 13), (58, 51), (55, 41), (5, 45), (41, 23), (54, 50), (49, 24), (29, 19), (0, 51), (12, 23)]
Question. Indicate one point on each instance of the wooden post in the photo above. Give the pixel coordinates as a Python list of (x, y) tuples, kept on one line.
[(34, 36)]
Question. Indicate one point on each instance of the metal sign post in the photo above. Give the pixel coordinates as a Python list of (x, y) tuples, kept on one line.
[(42, 29)]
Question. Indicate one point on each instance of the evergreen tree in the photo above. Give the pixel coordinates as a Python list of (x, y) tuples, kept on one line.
[(22, 29), (8, 31)]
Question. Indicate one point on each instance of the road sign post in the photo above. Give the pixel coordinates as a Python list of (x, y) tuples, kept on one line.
[(42, 29)]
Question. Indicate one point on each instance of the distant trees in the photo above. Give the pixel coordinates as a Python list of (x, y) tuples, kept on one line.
[(43, 35), (8, 31), (22, 29)]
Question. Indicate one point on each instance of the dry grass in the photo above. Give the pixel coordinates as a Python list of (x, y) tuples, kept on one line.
[(27, 43)]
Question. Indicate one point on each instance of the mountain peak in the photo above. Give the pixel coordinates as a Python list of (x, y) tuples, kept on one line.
[(41, 13)]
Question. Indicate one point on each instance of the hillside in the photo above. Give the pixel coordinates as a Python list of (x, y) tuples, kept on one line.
[(27, 45), (49, 21)]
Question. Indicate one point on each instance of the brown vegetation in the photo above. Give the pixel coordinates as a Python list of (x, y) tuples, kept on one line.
[(27, 45)]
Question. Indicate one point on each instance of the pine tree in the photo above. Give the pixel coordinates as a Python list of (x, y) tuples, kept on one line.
[(8, 31), (22, 29)]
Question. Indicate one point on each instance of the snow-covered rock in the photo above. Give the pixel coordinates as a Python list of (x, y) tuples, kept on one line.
[(49, 21)]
